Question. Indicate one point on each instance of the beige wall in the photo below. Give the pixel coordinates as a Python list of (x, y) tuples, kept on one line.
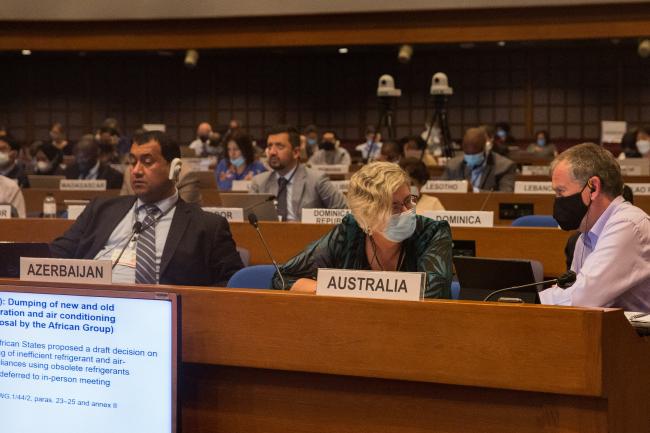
[(158, 9)]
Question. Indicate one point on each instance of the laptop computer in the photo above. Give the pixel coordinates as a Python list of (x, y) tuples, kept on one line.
[(261, 205), (478, 277), (44, 181), (11, 252)]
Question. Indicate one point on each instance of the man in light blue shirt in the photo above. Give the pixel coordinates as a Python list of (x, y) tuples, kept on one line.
[(612, 256)]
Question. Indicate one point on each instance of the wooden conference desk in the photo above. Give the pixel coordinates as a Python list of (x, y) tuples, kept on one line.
[(287, 239), (268, 361)]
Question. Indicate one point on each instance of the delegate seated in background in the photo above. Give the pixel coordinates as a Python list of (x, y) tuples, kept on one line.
[(419, 175), (10, 166), (390, 151), (239, 162), (88, 166), (483, 169), (47, 160), (542, 147), (11, 194), (383, 233), (330, 151)]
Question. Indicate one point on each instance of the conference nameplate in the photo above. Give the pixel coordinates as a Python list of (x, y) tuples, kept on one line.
[(342, 185), (536, 170), (82, 185), (5, 211), (323, 216), (197, 164), (232, 214), (65, 270), (331, 168), (631, 170), (445, 186), (525, 187), (241, 185), (463, 218), (74, 210), (639, 188), (397, 286)]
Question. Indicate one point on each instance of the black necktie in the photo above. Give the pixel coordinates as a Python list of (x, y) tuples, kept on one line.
[(282, 198)]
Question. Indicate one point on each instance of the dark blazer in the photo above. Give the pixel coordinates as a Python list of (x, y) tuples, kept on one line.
[(499, 175), (105, 171), (199, 250), (18, 173)]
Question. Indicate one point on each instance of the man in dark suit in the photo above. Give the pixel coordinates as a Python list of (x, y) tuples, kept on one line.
[(175, 242), (485, 170), (9, 165), (88, 166)]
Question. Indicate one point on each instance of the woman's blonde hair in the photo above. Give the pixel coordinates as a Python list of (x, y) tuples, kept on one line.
[(370, 194)]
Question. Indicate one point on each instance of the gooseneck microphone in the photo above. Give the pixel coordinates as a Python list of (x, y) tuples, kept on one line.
[(259, 203), (252, 219), (137, 228), (565, 280)]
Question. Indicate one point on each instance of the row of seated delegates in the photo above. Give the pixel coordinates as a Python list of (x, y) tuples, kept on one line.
[(10, 165), (542, 147), (371, 148), (58, 139), (636, 143), (419, 176), (612, 255), (382, 233), (178, 244), (239, 162), (484, 169), (211, 143), (87, 164), (11, 194), (294, 185), (330, 151)]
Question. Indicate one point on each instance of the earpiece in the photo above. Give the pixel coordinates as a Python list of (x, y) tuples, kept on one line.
[(591, 186), (175, 168)]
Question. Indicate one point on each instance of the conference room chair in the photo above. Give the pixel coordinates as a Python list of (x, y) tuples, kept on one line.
[(535, 221), (253, 277)]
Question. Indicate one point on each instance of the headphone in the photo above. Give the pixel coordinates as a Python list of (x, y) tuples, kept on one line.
[(175, 169)]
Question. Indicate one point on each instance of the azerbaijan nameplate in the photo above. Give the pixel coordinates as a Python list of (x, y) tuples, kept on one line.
[(65, 270)]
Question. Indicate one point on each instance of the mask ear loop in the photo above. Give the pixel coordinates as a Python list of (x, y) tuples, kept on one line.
[(592, 188)]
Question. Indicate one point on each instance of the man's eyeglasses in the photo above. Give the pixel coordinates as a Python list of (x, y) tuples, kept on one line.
[(408, 204)]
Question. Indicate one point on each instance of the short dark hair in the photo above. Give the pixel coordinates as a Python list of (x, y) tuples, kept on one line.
[(416, 169), (545, 132), (168, 148), (294, 135), (330, 131), (245, 144), (310, 128), (12, 143), (108, 130)]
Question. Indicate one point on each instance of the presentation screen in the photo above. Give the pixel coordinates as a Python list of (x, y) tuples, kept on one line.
[(91, 361)]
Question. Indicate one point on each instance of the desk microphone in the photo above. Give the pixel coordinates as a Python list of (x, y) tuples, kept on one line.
[(565, 280), (252, 219), (260, 203), (137, 228)]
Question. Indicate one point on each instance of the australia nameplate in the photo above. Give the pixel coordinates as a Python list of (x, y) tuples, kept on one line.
[(401, 286)]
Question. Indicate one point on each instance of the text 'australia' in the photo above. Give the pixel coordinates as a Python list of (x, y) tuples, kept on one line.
[(364, 283)]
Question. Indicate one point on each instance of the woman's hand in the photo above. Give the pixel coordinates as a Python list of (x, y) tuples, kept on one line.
[(304, 285)]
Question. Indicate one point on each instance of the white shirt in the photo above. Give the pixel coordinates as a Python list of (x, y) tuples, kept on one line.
[(124, 271), (612, 263), (10, 193), (374, 149)]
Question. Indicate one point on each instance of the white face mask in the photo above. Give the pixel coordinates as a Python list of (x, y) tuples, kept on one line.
[(4, 159), (643, 146), (43, 166)]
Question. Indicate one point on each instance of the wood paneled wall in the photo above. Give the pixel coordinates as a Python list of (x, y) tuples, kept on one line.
[(566, 88)]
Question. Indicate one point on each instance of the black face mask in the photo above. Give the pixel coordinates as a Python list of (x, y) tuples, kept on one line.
[(570, 210), (326, 145), (204, 138)]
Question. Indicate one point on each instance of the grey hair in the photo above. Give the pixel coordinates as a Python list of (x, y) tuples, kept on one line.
[(587, 160)]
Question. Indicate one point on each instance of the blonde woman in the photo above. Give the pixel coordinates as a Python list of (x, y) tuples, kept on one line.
[(382, 233)]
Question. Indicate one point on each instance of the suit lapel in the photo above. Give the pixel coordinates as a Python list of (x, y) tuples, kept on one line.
[(489, 166), (113, 216), (297, 190), (180, 221)]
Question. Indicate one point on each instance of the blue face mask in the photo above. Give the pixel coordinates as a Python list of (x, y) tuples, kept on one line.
[(541, 142), (311, 141), (401, 226), (238, 162), (502, 134), (474, 159)]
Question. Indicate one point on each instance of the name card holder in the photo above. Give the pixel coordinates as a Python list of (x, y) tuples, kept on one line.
[(65, 270), (232, 214), (82, 185), (342, 185), (525, 187), (640, 188), (536, 170), (631, 170), (5, 211), (323, 216), (74, 210), (397, 286), (463, 218), (446, 186), (332, 168), (241, 185)]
